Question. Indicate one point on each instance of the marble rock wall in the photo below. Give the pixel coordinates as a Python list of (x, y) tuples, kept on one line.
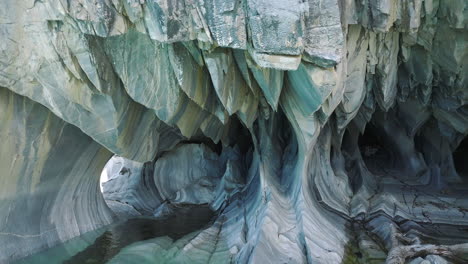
[(49, 181), (320, 131)]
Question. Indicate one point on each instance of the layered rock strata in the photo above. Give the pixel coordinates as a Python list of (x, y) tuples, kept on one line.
[(319, 131), (49, 189)]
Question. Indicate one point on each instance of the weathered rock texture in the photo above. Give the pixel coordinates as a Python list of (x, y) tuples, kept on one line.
[(320, 131), (48, 188), (130, 190)]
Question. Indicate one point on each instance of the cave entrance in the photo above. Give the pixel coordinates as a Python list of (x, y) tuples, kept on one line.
[(128, 188), (375, 153), (104, 176), (110, 189), (460, 159), (113, 168)]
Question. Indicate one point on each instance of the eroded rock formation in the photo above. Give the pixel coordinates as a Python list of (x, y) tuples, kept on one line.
[(319, 131)]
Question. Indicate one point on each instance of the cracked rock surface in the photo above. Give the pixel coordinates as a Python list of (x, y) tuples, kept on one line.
[(315, 131)]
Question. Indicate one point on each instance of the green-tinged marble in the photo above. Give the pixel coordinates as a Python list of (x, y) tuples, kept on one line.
[(309, 86)]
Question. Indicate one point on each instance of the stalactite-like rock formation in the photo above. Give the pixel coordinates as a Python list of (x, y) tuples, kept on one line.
[(317, 131)]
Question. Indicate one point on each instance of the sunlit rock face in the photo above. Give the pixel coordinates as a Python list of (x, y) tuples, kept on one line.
[(319, 131)]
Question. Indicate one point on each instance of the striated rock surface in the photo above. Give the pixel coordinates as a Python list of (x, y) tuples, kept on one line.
[(49, 189), (130, 190), (319, 131)]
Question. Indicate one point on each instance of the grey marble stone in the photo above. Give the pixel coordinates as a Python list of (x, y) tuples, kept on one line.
[(319, 131), (49, 181)]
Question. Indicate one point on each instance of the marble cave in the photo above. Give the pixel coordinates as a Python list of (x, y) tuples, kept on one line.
[(234, 131)]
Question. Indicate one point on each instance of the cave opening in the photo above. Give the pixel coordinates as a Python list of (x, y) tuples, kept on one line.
[(460, 159), (129, 191), (128, 188), (240, 135), (118, 178), (376, 154), (348, 148), (104, 177)]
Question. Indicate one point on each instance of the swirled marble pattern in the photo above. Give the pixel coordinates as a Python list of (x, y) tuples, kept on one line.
[(318, 131)]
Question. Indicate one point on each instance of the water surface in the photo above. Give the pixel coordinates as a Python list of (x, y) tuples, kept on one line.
[(117, 236)]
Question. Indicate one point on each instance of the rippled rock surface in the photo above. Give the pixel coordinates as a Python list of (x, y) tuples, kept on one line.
[(317, 131)]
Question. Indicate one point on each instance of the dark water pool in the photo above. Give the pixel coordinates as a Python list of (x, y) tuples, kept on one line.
[(117, 236)]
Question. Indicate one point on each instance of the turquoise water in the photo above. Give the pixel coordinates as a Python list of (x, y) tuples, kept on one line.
[(102, 245)]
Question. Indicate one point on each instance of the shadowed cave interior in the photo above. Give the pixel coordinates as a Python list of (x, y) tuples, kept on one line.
[(460, 159)]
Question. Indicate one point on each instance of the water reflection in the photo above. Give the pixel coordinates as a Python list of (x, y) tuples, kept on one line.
[(118, 236)]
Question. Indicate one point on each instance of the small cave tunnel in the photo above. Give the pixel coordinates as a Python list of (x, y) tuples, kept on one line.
[(104, 177), (125, 189), (130, 193), (460, 159), (240, 135), (375, 153), (348, 149), (129, 189), (119, 181)]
